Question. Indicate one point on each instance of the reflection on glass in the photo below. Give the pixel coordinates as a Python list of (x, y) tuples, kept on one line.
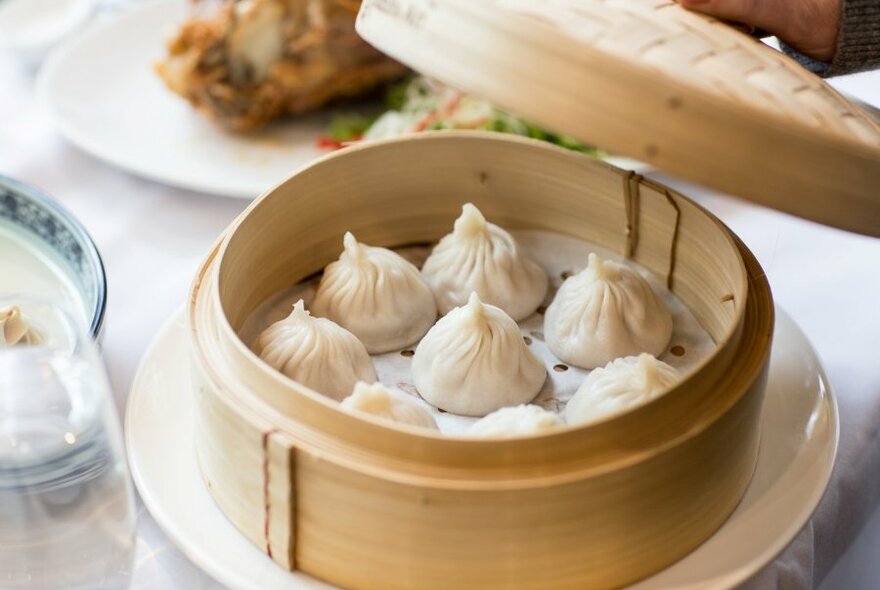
[(66, 511)]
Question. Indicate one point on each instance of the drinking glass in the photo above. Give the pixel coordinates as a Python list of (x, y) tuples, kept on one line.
[(66, 505)]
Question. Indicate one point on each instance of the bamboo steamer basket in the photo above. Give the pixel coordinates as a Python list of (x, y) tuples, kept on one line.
[(363, 505), (367, 505)]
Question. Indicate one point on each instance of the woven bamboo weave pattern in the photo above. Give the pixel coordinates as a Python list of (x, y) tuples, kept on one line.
[(707, 54)]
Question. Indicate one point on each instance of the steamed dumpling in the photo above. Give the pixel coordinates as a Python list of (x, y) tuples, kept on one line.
[(388, 403), (474, 361), (621, 385), (480, 257), (317, 353), (604, 312), (14, 329), (376, 295), (516, 421)]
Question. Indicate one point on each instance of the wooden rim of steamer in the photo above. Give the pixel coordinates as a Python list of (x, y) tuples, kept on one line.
[(306, 419)]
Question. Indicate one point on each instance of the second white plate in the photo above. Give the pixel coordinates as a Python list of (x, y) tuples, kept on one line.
[(799, 434), (105, 97)]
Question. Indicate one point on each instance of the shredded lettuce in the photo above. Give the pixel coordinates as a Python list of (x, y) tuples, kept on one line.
[(420, 104), (349, 126)]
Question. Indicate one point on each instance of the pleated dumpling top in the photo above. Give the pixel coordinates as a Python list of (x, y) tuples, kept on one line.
[(474, 361), (389, 404), (604, 312), (317, 353), (480, 257), (619, 386), (377, 295), (519, 420)]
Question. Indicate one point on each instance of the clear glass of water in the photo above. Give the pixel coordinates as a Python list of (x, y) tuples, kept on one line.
[(66, 504)]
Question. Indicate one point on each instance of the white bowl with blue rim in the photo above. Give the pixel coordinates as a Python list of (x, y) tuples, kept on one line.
[(47, 254)]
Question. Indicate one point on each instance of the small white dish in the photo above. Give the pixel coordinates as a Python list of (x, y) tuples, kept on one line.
[(46, 253), (29, 29), (799, 434)]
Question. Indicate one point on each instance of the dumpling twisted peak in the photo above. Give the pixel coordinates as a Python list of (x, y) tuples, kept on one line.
[(351, 248), (482, 258), (390, 404), (475, 311), (317, 353), (14, 329), (606, 311), (470, 223), (377, 295), (601, 270), (474, 361), (516, 421), (621, 385)]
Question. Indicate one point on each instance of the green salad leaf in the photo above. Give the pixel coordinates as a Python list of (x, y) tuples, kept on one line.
[(349, 126), (419, 103)]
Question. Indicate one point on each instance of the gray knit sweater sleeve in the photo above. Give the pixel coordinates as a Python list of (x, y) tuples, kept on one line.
[(858, 43)]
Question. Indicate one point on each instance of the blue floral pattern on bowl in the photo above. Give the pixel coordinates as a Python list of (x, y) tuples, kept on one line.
[(36, 212)]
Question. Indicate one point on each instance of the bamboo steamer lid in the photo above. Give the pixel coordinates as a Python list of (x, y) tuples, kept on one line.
[(648, 79)]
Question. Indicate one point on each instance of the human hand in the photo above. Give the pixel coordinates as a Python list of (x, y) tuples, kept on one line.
[(807, 26)]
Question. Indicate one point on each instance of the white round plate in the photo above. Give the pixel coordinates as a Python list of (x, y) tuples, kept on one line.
[(105, 97), (799, 435)]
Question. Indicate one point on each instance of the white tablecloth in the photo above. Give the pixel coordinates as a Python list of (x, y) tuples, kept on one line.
[(152, 238)]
